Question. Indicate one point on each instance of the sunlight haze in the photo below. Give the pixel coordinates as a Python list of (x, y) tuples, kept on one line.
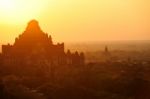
[(77, 20)]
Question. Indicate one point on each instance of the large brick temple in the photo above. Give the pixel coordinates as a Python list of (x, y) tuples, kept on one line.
[(34, 46)]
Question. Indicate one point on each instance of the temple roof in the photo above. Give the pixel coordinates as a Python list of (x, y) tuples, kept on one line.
[(33, 26), (33, 35)]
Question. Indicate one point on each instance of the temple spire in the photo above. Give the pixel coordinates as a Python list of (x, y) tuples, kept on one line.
[(33, 26)]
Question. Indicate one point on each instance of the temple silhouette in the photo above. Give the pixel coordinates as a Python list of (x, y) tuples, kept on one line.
[(34, 46)]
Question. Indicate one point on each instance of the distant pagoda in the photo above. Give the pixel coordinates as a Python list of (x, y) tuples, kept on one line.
[(34, 46)]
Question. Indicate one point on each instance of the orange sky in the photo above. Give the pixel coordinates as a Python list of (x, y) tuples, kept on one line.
[(77, 20)]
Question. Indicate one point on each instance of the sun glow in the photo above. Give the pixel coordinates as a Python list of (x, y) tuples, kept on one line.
[(14, 11), (7, 4), (77, 20)]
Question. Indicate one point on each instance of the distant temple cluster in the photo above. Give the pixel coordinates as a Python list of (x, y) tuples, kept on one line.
[(34, 46)]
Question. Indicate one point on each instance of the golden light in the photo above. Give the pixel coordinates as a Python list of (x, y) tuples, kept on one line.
[(6, 4), (14, 11)]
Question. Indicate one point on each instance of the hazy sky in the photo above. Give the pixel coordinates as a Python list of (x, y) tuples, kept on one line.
[(77, 20)]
